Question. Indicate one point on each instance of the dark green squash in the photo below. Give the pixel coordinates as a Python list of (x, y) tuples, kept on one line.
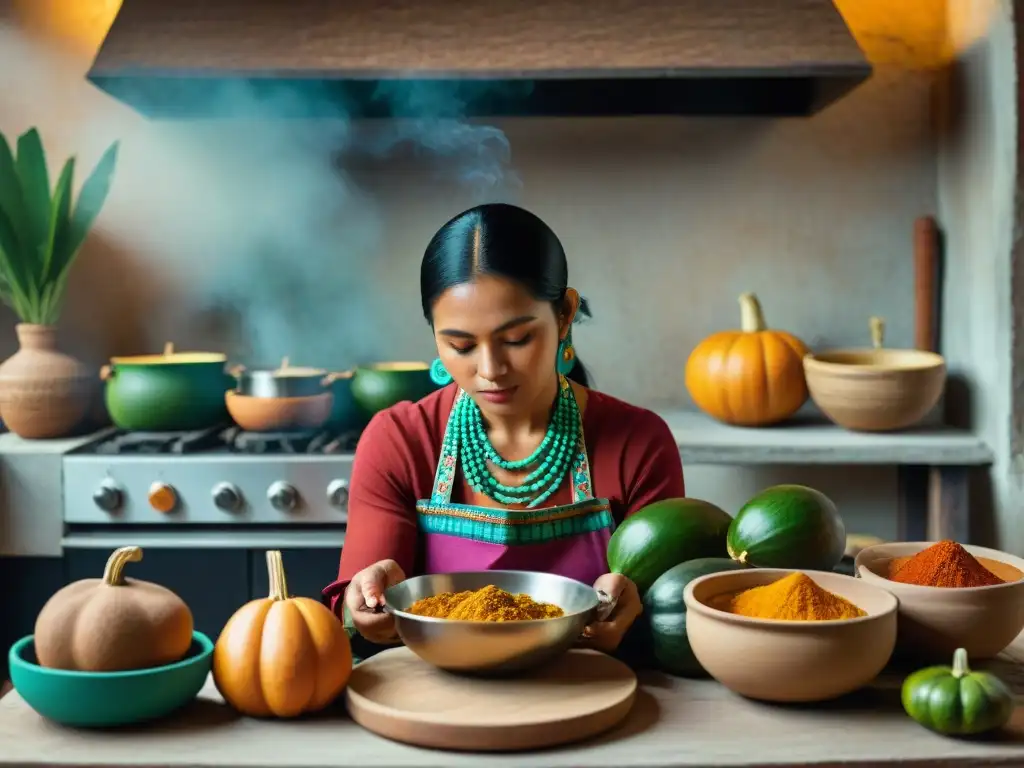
[(665, 614), (788, 526), (664, 534), (955, 701)]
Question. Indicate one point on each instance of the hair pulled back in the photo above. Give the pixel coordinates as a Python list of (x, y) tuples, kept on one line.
[(504, 241)]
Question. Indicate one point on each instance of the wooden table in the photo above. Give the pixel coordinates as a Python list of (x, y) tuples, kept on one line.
[(674, 723)]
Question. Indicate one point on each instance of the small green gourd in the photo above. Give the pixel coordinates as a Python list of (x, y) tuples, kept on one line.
[(955, 701)]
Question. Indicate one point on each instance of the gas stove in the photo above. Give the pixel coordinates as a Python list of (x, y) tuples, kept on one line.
[(216, 477)]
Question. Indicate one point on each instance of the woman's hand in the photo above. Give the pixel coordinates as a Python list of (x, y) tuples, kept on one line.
[(364, 598), (606, 635)]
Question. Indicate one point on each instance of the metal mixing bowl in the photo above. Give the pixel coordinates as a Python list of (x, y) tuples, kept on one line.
[(492, 647)]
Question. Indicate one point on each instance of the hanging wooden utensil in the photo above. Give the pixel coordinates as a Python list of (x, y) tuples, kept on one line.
[(926, 283)]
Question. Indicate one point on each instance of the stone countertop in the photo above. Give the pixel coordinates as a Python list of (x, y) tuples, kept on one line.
[(806, 439), (675, 722), (11, 444)]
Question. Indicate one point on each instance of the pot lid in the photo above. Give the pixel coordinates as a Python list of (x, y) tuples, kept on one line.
[(286, 370), (397, 367), (170, 357)]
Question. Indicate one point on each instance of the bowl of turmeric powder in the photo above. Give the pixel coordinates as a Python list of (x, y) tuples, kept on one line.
[(951, 596), (790, 636), (491, 622)]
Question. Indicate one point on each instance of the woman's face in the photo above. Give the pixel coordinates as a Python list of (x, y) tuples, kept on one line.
[(498, 342)]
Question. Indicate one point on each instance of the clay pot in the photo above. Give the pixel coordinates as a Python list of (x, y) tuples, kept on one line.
[(279, 414), (43, 393)]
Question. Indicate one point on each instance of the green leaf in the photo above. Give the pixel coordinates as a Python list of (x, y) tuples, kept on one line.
[(91, 199), (5, 291), (53, 299), (35, 189), (11, 201), (56, 256), (15, 271), (40, 234)]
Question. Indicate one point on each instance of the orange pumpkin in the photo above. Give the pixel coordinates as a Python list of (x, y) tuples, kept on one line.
[(752, 377), (281, 656)]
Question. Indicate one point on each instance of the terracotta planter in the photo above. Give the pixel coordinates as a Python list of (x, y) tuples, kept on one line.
[(43, 393)]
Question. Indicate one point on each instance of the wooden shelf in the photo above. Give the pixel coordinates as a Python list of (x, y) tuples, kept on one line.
[(812, 440)]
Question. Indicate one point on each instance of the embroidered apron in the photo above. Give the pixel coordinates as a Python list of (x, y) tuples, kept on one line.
[(569, 540)]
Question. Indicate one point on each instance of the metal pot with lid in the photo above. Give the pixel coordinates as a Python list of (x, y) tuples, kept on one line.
[(281, 399), (284, 381)]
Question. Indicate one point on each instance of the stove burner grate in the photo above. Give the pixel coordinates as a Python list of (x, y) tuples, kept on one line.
[(162, 442), (308, 442)]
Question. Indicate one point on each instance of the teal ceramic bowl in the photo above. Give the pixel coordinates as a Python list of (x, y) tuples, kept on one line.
[(108, 699)]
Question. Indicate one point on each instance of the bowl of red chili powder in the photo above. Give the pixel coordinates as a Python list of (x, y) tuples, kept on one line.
[(950, 596)]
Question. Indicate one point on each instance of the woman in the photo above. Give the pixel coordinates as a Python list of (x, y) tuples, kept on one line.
[(515, 464)]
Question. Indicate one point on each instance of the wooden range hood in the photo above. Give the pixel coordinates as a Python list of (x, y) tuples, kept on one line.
[(475, 58)]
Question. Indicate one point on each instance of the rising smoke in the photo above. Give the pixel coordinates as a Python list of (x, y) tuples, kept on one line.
[(257, 221)]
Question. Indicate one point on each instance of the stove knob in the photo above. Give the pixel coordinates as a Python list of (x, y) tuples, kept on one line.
[(283, 497), (226, 496), (163, 498), (108, 496), (337, 493)]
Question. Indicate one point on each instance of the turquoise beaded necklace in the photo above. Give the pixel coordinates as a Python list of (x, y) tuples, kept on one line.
[(548, 464)]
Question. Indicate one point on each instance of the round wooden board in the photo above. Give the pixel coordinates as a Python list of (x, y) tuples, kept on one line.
[(581, 694)]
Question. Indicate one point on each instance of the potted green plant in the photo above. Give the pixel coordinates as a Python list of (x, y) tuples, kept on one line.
[(43, 393)]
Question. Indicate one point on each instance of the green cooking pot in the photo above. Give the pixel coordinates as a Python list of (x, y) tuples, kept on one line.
[(171, 392), (346, 415), (380, 385)]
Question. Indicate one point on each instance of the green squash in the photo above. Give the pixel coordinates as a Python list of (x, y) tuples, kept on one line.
[(665, 614), (664, 534), (955, 701), (788, 526)]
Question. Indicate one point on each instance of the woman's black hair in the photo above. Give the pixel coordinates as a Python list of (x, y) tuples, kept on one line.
[(506, 241)]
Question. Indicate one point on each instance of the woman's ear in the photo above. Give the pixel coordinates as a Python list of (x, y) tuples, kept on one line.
[(571, 305)]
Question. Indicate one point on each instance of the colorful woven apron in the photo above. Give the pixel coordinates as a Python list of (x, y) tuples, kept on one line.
[(569, 540)]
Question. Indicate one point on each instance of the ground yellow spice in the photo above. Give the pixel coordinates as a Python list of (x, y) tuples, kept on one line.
[(438, 606), (487, 604), (794, 598)]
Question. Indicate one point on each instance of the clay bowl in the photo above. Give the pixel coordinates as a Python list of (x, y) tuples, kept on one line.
[(789, 661), (279, 414), (875, 390), (935, 621)]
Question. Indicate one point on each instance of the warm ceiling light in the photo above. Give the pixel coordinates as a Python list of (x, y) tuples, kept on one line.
[(81, 24)]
